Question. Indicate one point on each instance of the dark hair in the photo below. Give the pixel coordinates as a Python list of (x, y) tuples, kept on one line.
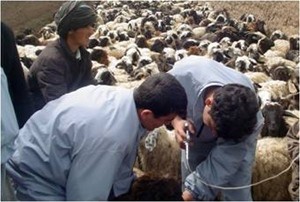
[(73, 15), (234, 110), (162, 94)]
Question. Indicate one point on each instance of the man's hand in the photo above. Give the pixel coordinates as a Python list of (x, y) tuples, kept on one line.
[(187, 196), (180, 130)]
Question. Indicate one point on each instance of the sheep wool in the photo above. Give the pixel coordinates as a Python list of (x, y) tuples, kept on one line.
[(270, 159), (163, 159)]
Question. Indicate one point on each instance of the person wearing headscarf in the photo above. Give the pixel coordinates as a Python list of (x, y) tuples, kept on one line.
[(64, 65)]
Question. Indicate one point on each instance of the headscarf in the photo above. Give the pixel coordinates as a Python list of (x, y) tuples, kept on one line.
[(73, 15)]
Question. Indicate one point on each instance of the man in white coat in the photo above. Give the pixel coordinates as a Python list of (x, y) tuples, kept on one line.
[(83, 145)]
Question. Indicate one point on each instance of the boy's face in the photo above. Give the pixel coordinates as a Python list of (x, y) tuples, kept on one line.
[(150, 122), (80, 37)]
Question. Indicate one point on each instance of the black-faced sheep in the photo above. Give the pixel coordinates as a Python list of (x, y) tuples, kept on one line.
[(275, 125)]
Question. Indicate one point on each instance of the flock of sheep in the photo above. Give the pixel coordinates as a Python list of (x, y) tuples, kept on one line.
[(135, 39)]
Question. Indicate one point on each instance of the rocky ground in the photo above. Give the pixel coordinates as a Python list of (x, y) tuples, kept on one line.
[(283, 15)]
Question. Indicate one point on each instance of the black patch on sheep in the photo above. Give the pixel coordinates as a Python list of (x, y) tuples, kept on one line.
[(104, 41), (264, 44), (107, 78), (158, 46), (141, 41), (93, 43), (280, 73)]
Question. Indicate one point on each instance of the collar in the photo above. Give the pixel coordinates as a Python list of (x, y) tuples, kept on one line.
[(77, 55)]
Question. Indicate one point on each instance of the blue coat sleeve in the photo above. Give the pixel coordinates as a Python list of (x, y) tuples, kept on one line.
[(229, 164), (219, 166), (91, 176), (9, 124)]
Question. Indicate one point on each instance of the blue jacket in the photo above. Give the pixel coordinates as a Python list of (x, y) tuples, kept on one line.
[(78, 147), (214, 160)]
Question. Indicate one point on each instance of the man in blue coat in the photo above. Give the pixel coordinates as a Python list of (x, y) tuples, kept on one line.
[(223, 113), (83, 145)]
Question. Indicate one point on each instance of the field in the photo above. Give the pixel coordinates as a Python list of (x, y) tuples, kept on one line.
[(283, 15)]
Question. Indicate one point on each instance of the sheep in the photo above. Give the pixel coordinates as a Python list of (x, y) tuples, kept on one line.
[(93, 42), (278, 34), (278, 89), (198, 32), (246, 17), (276, 61), (275, 125), (48, 35), (244, 63), (159, 152), (294, 42), (257, 77), (181, 53), (252, 52), (28, 40), (280, 48), (105, 77), (264, 44), (100, 55), (271, 158), (143, 61), (144, 71), (169, 54), (291, 117)]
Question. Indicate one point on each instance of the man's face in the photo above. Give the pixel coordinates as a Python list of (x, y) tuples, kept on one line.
[(150, 122), (207, 119), (80, 37)]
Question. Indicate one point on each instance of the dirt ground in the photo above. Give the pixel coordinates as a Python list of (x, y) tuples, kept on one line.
[(283, 15)]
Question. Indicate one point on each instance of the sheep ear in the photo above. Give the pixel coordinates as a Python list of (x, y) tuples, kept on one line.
[(292, 87)]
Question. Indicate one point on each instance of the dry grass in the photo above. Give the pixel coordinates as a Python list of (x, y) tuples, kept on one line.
[(20, 15), (283, 15)]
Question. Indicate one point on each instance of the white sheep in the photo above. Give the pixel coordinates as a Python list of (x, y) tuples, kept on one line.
[(159, 152), (278, 89), (257, 77), (270, 159), (272, 62)]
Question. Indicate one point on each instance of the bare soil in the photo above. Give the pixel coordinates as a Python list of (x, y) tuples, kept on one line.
[(282, 15)]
